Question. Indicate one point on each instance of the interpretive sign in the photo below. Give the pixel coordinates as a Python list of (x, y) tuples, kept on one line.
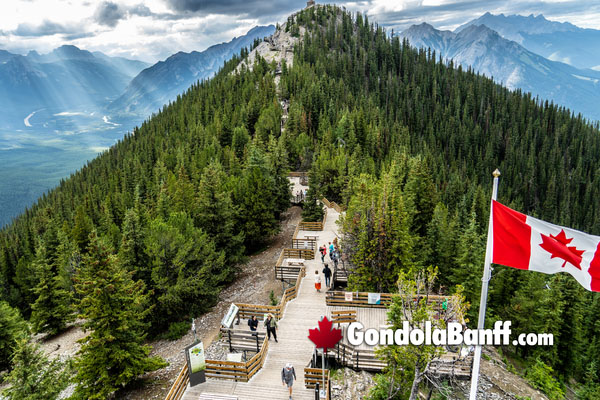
[(231, 313), (196, 363), (374, 298)]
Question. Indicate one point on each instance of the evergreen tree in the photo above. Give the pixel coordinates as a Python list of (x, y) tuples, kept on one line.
[(257, 207), (187, 270), (132, 255), (33, 376), (469, 264), (217, 214), (12, 327), (591, 388), (52, 310), (312, 209), (113, 308), (82, 228)]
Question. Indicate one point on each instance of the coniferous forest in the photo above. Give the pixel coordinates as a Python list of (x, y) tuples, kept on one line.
[(155, 226)]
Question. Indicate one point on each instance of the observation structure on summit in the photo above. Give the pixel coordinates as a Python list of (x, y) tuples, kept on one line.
[(310, 3)]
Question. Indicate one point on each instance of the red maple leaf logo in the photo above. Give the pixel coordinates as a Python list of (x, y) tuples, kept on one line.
[(557, 246), (325, 336)]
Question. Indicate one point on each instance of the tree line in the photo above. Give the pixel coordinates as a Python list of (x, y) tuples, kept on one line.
[(405, 141)]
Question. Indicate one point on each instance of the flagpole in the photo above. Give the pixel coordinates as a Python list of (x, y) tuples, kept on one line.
[(484, 291)]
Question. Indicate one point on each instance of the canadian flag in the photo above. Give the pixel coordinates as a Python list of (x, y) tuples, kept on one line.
[(524, 242)]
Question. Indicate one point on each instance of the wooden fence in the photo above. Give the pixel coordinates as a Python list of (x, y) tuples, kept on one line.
[(304, 244), (297, 174), (243, 339), (358, 359), (238, 371), (361, 299), (180, 384), (306, 254), (343, 316), (247, 310), (314, 376), (311, 226), (287, 274)]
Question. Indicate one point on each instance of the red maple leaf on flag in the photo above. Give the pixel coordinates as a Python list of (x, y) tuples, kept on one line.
[(325, 336), (557, 246)]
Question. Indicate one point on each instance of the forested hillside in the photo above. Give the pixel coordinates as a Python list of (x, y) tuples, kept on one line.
[(405, 141)]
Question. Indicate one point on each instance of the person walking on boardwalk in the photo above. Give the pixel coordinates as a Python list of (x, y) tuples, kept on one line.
[(271, 325), (336, 259), (323, 251), (327, 275), (288, 374), (253, 323), (317, 281), (331, 248)]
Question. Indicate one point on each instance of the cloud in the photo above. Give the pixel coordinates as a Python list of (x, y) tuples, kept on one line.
[(109, 14), (250, 8), (46, 28)]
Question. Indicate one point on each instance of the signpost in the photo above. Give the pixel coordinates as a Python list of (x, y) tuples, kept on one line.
[(196, 361), (374, 298), (231, 313)]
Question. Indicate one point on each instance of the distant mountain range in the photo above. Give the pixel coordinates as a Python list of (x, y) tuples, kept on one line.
[(162, 82), (556, 41), (65, 78), (513, 65), (69, 78)]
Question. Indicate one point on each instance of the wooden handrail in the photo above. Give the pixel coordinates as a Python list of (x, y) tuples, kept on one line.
[(180, 384), (360, 299)]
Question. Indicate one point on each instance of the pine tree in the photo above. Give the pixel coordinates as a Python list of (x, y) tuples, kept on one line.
[(12, 327), (216, 213), (132, 254), (257, 207), (33, 376), (52, 310), (82, 228), (469, 261), (187, 270), (113, 307)]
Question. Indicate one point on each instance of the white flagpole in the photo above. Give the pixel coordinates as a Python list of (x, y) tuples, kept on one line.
[(484, 291)]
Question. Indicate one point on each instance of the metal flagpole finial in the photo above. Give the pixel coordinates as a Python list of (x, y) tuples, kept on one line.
[(496, 173)]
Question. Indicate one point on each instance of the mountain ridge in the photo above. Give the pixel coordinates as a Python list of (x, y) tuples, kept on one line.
[(164, 81), (487, 52), (556, 41)]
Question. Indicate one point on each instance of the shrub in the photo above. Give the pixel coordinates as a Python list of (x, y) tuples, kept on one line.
[(539, 375)]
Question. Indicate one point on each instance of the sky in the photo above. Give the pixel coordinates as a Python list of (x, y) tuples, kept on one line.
[(151, 30)]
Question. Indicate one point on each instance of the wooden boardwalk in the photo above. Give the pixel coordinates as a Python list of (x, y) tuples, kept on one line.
[(294, 346)]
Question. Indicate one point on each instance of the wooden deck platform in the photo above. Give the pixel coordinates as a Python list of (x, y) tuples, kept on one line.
[(294, 346)]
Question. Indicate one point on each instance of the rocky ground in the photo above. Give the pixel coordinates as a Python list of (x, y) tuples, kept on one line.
[(347, 384), (495, 383)]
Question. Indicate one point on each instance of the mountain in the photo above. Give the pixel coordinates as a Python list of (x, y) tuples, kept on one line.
[(514, 66), (179, 202), (5, 56), (65, 78), (162, 82), (557, 41)]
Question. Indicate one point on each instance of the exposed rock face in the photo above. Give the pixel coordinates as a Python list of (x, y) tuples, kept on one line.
[(348, 384), (278, 47)]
